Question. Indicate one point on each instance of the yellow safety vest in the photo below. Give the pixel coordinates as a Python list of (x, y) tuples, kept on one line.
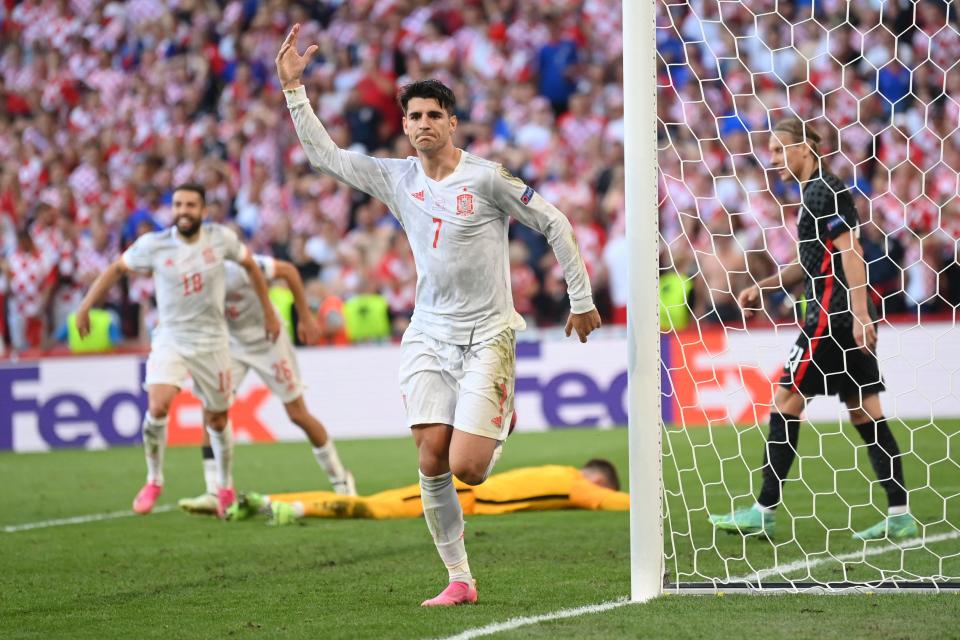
[(282, 299), (98, 340), (674, 290), (366, 317)]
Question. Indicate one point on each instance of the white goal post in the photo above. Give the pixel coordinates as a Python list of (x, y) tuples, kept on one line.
[(643, 337), (714, 380)]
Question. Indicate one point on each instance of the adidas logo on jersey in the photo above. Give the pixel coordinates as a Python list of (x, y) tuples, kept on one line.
[(418, 195)]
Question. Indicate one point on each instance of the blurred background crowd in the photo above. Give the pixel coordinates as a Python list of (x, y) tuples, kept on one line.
[(105, 106), (878, 80)]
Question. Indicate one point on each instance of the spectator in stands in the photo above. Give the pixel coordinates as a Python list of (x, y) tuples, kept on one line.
[(557, 61), (104, 106), (31, 278)]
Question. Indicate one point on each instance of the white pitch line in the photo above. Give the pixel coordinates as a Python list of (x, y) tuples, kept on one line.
[(796, 565), (94, 517), (515, 623), (790, 567)]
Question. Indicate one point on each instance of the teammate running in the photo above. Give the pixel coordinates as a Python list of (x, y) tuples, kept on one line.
[(187, 262)]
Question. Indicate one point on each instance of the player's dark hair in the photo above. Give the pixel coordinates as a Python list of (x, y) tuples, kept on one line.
[(195, 188), (800, 131), (606, 468), (428, 89)]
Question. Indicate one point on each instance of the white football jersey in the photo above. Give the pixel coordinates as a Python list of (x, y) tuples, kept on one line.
[(457, 229), (244, 312), (190, 284)]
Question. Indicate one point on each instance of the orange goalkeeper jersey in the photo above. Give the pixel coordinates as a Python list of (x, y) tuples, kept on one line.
[(544, 488)]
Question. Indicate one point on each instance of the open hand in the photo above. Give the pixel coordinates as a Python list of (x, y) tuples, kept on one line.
[(290, 64)]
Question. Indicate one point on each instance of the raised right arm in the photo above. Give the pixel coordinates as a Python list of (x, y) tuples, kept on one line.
[(370, 175)]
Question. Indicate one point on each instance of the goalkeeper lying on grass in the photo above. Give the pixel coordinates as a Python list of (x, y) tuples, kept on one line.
[(594, 486)]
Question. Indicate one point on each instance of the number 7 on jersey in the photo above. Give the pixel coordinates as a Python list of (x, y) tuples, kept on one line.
[(436, 236)]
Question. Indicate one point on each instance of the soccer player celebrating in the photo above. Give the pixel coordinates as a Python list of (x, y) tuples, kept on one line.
[(187, 263), (458, 355), (276, 364), (835, 353)]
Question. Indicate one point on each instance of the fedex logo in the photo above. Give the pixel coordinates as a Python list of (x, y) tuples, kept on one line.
[(709, 380), (79, 414), (573, 397), (67, 419), (704, 380)]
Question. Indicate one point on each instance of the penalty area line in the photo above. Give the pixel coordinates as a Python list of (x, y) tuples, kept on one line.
[(515, 623), (93, 517)]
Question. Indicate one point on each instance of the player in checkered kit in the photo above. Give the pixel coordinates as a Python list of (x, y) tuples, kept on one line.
[(187, 263), (458, 355), (835, 353)]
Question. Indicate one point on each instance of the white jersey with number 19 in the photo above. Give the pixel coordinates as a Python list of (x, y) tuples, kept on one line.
[(457, 229), (190, 285)]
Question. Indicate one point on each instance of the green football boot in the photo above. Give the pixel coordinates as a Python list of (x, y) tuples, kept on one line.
[(747, 522), (899, 527)]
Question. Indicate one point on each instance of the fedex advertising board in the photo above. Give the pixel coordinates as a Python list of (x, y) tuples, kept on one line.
[(713, 377)]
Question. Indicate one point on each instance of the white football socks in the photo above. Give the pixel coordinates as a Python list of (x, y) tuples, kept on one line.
[(444, 517), (222, 444), (210, 471), (154, 446), (328, 459)]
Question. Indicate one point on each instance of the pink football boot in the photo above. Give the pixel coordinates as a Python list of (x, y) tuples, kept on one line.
[(455, 593), (143, 503)]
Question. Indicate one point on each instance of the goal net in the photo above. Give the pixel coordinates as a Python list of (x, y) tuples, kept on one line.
[(880, 82)]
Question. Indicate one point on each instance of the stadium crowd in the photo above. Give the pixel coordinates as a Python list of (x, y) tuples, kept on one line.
[(878, 80), (105, 106), (108, 105)]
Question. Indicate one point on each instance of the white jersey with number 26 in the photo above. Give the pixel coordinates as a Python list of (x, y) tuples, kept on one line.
[(457, 229), (190, 285), (245, 319)]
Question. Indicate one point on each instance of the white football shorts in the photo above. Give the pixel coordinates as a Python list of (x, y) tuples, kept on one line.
[(210, 371), (275, 363), (467, 387)]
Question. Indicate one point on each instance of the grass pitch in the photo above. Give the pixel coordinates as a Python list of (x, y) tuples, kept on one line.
[(174, 576)]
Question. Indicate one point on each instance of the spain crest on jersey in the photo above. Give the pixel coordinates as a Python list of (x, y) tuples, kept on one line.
[(208, 256), (465, 204)]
